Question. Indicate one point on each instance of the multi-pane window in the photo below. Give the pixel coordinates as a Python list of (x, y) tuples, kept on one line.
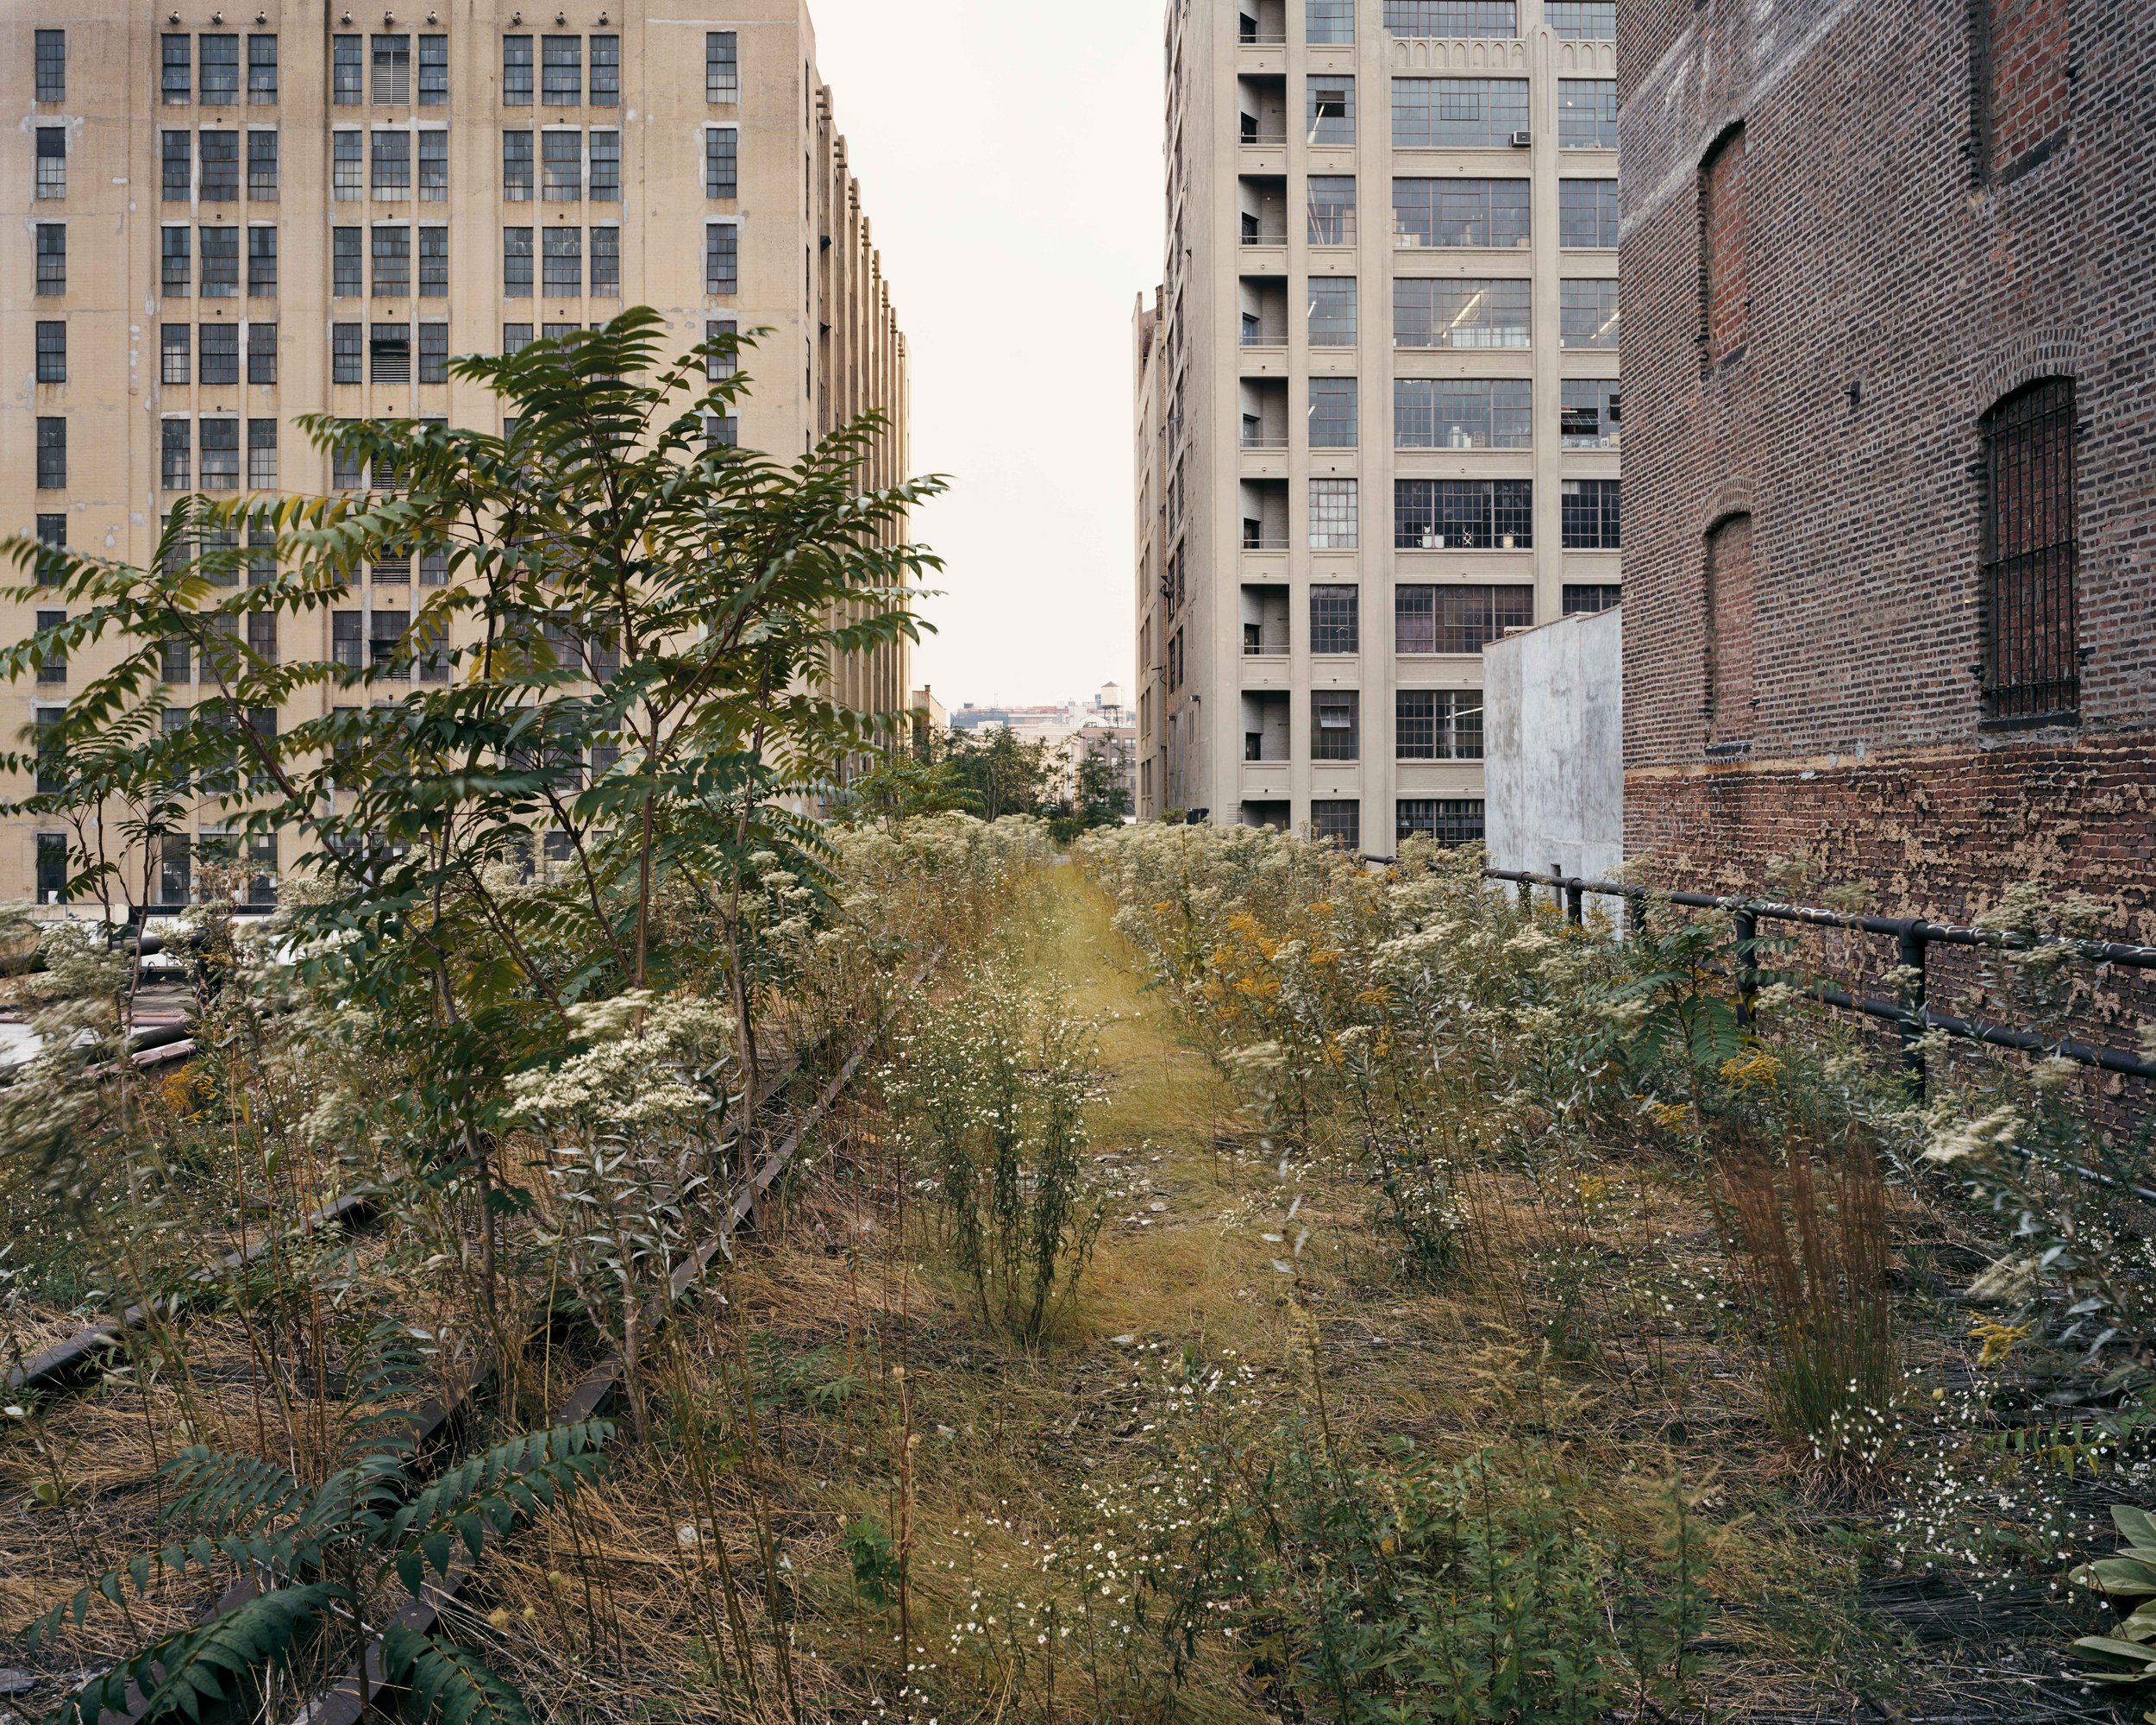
[(606, 168), (1437, 725), (433, 352), (347, 348), (1587, 313), (389, 353), (2031, 554), (393, 166), (177, 262), (393, 261), (1334, 512), (516, 72), (606, 263), (1451, 312), (1451, 821), (220, 354), (1582, 20), (220, 263), (722, 258), (1457, 113), (220, 61), (179, 158), (176, 81), (1329, 21), (261, 455), (1460, 212), (221, 454), (1591, 599), (392, 71), (517, 263), (262, 165), (606, 72), (561, 263), (52, 351), (51, 53), (1458, 619), (1333, 402), (1333, 317), (1329, 109), (517, 168), (52, 861), (434, 263), (1463, 413), (176, 454), (220, 155), (1336, 619), (176, 353), (347, 167), (516, 337), (562, 71), (1453, 18), (561, 166), (721, 161), (1589, 515), (1337, 822), (1336, 724), (434, 72), (1587, 212), (720, 362), (1455, 515), (54, 666), (1587, 113), (1725, 248), (51, 535), (52, 257), (1331, 210), (347, 260), (722, 67), (1591, 410), (261, 71), (434, 167), (347, 71), (52, 162)]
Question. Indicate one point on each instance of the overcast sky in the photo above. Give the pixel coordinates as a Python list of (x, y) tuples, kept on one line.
[(1009, 153)]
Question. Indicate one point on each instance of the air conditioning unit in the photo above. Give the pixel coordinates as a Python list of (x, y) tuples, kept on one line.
[(1521, 140)]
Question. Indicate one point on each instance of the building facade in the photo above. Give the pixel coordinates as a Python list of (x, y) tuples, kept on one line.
[(237, 219), (1378, 418), (1892, 325)]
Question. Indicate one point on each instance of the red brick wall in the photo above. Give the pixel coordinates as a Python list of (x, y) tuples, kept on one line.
[(2024, 63), (1725, 262), (1733, 599)]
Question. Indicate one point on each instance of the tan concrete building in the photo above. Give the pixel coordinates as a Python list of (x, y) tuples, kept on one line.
[(1378, 401), (231, 218)]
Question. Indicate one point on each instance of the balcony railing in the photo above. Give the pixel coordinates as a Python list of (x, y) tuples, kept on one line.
[(1263, 542), (1264, 38), (1257, 237), (1264, 440), (1252, 135), (1264, 641)]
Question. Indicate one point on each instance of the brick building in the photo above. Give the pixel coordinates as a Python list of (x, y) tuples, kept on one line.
[(1888, 342)]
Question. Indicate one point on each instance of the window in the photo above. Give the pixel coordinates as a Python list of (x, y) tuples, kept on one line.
[(344, 353), (434, 167), (347, 167), (1458, 619), (561, 166), (346, 644), (219, 361), (262, 166), (1460, 212), (220, 71), (517, 263), (389, 353), (516, 337), (52, 351), (51, 535), (720, 166), (1463, 413), (176, 454), (176, 83), (261, 455), (1589, 515), (52, 65), (1590, 413), (606, 263), (53, 668), (1329, 20), (1724, 249), (561, 263), (220, 263), (385, 641), (517, 168), (393, 262), (393, 166), (722, 258), (434, 263), (1591, 599), (1338, 823), (1457, 113), (1587, 113), (52, 454), (178, 262), (605, 175), (1460, 313), (179, 167), (392, 71), (1587, 212), (433, 352), (52, 258), (1455, 515), (261, 71), (175, 871), (562, 71), (2031, 556), (1335, 620), (345, 73), (1333, 515), (2021, 81), (1329, 109), (1437, 725), (220, 455), (1451, 821), (1733, 594), (52, 162), (1582, 20), (721, 361), (220, 167), (1454, 18), (1332, 413), (176, 353), (346, 466), (606, 72), (1332, 320), (1336, 724), (1587, 313), (434, 72), (721, 68), (721, 432), (52, 858), (345, 255), (1331, 210)]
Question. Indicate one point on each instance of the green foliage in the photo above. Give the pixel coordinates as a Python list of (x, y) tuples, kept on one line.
[(205, 1672), (446, 1683), (998, 772), (875, 1560), (2130, 1649)]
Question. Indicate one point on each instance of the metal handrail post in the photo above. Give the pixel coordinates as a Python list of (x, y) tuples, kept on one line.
[(1912, 948)]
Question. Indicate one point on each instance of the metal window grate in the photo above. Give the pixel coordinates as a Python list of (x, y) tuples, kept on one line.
[(1451, 821), (2032, 666)]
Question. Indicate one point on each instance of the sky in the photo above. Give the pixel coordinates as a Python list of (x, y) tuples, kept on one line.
[(1010, 166)]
